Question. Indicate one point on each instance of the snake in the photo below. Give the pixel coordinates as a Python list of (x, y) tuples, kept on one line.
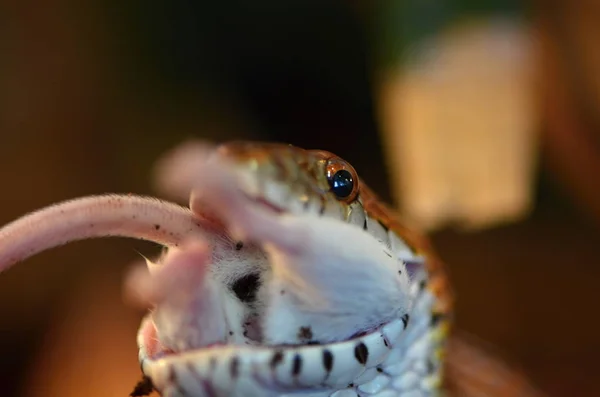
[(285, 276)]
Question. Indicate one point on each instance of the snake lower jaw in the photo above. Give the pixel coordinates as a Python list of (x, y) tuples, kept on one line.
[(258, 370)]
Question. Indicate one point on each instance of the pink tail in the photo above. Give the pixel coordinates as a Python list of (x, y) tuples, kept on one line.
[(96, 216)]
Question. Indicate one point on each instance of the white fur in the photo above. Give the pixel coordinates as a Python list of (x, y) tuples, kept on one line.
[(342, 281), (194, 322), (190, 312)]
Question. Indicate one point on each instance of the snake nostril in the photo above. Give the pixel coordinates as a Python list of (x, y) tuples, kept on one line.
[(245, 288)]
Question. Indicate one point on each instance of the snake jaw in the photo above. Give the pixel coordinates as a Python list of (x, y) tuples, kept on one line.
[(343, 253), (259, 370), (314, 260), (308, 320), (383, 359)]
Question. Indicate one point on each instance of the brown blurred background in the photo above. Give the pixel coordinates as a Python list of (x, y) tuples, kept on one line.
[(92, 92)]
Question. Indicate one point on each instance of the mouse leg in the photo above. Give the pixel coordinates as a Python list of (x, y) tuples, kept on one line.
[(187, 312)]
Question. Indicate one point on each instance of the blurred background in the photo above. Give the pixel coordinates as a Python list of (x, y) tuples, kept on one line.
[(478, 119)]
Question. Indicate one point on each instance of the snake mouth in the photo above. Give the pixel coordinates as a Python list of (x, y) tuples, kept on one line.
[(152, 348), (223, 369), (246, 353), (247, 363), (243, 314), (282, 267), (337, 298)]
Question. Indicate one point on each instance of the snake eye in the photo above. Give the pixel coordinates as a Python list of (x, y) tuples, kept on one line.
[(342, 183), (342, 179)]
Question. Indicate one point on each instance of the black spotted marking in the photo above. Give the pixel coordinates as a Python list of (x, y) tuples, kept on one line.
[(239, 245), (361, 353), (157, 227), (322, 208), (423, 285), (174, 382), (192, 370), (306, 204), (365, 226), (379, 369), (436, 318), (430, 367), (297, 365), (143, 388), (405, 319), (385, 341), (206, 385), (209, 389), (304, 334), (327, 360), (234, 367), (245, 288), (383, 226), (276, 359)]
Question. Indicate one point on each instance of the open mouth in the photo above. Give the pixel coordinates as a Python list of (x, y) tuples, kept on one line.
[(289, 320), (244, 307), (154, 350), (267, 292), (221, 369)]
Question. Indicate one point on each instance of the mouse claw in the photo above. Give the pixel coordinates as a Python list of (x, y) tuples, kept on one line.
[(181, 270)]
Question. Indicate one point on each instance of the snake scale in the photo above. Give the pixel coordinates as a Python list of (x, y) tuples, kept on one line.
[(286, 276)]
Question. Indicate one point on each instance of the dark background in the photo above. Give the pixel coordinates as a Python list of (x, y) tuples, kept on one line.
[(93, 92)]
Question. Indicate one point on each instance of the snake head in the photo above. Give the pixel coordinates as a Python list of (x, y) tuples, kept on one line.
[(323, 278), (285, 276), (333, 279)]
